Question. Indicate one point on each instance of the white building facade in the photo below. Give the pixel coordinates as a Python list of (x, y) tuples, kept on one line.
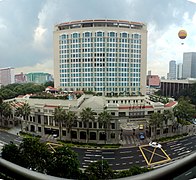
[(6, 76), (104, 56)]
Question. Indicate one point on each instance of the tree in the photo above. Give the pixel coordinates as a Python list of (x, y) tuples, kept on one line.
[(155, 121), (184, 110), (87, 115), (34, 154), (59, 116), (70, 118), (64, 163), (6, 112), (105, 119), (99, 170), (49, 83), (11, 153), (23, 111), (168, 116)]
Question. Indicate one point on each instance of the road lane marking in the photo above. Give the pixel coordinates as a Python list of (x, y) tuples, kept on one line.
[(125, 151), (107, 158), (143, 155), (166, 158), (107, 152), (183, 152), (179, 149), (175, 145), (126, 157), (152, 155), (188, 143)]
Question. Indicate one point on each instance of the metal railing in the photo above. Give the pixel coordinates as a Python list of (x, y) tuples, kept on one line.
[(166, 173)]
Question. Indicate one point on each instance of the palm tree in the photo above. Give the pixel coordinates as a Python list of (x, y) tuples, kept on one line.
[(59, 116), (105, 118), (168, 116), (1, 107), (70, 118), (6, 112), (155, 121), (87, 115), (23, 111)]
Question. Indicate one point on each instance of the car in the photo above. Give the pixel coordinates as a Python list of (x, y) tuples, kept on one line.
[(141, 136), (155, 145), (55, 135), (141, 127)]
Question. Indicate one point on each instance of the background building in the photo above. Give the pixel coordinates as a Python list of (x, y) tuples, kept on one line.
[(106, 56), (179, 71), (172, 69), (171, 88), (6, 76), (153, 81), (38, 77), (20, 78), (189, 65)]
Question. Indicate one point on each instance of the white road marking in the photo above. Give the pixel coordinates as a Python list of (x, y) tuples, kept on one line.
[(188, 143), (126, 157), (184, 152), (107, 152), (125, 151)]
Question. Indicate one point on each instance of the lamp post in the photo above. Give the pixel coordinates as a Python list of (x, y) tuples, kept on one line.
[(102, 166)]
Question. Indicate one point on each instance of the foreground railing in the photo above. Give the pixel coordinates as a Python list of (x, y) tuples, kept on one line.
[(167, 172)]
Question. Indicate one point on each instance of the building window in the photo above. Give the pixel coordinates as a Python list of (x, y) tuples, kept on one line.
[(93, 136), (113, 125), (39, 129), (113, 135), (95, 125)]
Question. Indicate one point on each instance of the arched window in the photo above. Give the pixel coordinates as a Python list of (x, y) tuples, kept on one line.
[(87, 34), (124, 35), (63, 36), (99, 33), (112, 34), (136, 36), (75, 35)]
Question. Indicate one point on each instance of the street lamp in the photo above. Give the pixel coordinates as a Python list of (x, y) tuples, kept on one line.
[(102, 166)]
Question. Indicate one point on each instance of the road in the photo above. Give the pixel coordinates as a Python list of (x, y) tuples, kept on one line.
[(123, 158)]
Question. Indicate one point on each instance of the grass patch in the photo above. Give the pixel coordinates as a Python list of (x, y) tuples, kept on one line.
[(172, 137), (28, 135)]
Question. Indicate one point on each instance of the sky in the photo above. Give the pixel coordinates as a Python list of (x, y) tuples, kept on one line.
[(26, 28)]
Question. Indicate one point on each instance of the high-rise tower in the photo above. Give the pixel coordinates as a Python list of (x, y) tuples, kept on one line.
[(106, 56), (189, 65)]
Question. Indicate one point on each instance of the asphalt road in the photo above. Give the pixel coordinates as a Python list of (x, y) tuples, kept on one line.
[(123, 158)]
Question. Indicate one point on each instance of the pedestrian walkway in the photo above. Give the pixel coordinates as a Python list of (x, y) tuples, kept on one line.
[(133, 140), (15, 130)]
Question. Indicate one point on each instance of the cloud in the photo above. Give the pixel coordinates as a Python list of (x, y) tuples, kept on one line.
[(39, 38), (27, 28), (193, 1)]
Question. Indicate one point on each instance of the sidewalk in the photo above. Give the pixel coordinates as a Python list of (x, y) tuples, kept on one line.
[(14, 130)]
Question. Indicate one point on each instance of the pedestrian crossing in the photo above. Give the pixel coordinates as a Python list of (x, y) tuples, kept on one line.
[(132, 140)]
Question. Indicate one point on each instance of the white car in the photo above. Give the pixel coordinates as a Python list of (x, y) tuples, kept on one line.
[(155, 145)]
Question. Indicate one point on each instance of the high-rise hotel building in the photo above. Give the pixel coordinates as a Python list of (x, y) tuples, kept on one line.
[(106, 56)]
